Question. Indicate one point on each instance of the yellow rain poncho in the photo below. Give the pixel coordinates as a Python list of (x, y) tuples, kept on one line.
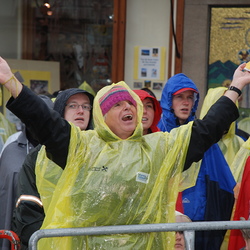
[(244, 124), (230, 142), (87, 87), (6, 128), (109, 181), (48, 174), (240, 160)]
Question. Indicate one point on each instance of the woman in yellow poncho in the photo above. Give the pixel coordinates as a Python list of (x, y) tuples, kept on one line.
[(113, 175), (117, 181)]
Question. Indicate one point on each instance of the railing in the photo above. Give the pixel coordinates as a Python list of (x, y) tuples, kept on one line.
[(130, 229), (12, 237)]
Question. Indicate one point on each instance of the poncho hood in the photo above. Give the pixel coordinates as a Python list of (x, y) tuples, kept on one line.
[(175, 83), (143, 95), (101, 127)]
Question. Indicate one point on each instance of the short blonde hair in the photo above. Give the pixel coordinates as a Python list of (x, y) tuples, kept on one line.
[(180, 217)]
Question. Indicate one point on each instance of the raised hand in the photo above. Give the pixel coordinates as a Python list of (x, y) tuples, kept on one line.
[(8, 79), (241, 77), (5, 71)]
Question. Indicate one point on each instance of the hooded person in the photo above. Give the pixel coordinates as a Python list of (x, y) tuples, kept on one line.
[(11, 162), (174, 86), (177, 85), (144, 96), (29, 211), (113, 175), (104, 175), (211, 196), (63, 97)]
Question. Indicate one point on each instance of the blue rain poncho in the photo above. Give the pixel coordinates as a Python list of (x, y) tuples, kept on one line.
[(169, 120), (109, 181)]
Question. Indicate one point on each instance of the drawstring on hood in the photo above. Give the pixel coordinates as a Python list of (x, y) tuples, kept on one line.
[(174, 85)]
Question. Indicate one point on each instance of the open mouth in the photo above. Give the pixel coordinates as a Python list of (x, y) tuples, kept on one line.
[(144, 119), (127, 118), (79, 119)]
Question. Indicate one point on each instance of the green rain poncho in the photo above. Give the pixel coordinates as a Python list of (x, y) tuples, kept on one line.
[(109, 181)]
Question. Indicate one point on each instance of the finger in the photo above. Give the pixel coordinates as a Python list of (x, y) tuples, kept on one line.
[(242, 66)]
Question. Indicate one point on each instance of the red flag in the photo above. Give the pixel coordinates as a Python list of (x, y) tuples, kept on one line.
[(179, 205), (236, 240)]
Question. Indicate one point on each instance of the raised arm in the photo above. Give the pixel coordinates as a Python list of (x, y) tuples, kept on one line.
[(46, 125), (211, 128)]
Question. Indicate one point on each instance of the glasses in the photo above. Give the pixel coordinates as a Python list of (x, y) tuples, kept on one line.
[(76, 106)]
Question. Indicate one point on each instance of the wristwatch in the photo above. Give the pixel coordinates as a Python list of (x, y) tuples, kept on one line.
[(235, 89)]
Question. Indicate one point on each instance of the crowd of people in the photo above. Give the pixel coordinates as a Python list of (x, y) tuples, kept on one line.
[(124, 158)]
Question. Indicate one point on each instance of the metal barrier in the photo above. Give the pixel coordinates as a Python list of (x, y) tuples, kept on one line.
[(12, 237), (129, 229)]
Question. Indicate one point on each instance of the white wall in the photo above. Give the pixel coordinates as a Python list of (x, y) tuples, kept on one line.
[(147, 24), (9, 31)]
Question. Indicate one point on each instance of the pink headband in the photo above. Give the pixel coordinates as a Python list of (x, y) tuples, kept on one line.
[(113, 96)]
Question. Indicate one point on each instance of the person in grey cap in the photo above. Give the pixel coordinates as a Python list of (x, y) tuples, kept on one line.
[(11, 162), (75, 106)]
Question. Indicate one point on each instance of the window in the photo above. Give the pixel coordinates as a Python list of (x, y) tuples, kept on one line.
[(86, 37)]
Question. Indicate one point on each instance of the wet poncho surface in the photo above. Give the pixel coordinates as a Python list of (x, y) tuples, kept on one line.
[(109, 181)]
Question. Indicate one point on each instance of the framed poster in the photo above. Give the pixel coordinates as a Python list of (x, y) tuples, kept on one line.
[(149, 63)]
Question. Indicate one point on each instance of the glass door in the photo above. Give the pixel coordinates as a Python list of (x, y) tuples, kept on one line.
[(84, 36)]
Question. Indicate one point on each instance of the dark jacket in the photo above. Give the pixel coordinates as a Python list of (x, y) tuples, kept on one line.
[(11, 162), (29, 213)]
